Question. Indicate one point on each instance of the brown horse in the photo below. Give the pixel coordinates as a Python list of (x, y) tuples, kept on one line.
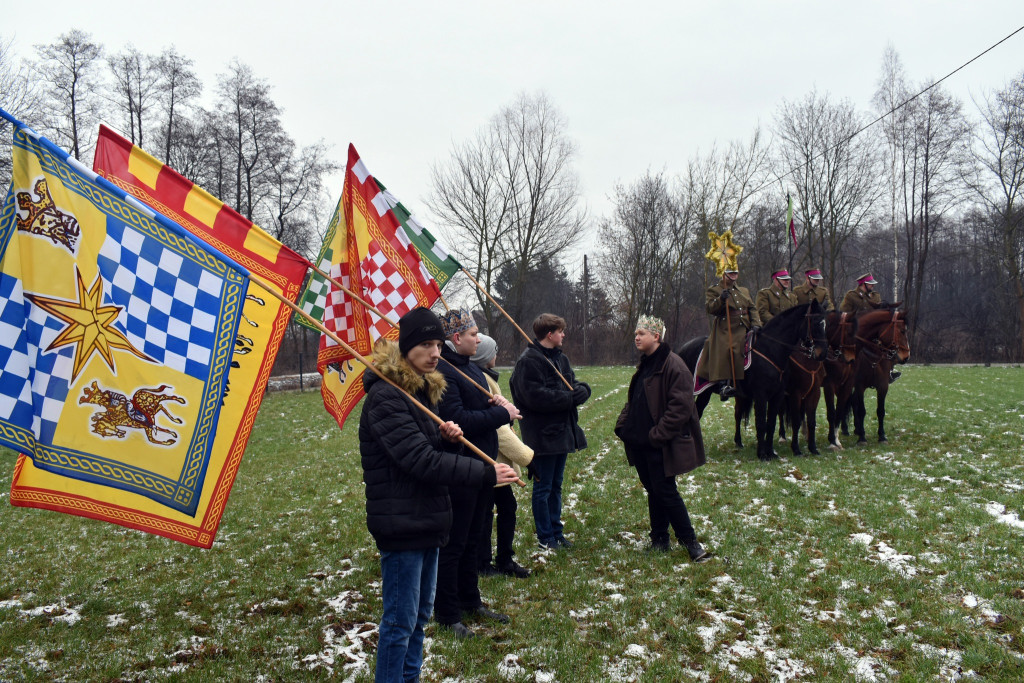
[(841, 329), (881, 343)]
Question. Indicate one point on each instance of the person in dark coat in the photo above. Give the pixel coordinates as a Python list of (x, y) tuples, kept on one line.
[(408, 463), (479, 415), (660, 430), (550, 423), (732, 314)]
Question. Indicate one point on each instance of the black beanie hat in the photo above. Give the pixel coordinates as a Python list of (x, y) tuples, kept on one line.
[(417, 326)]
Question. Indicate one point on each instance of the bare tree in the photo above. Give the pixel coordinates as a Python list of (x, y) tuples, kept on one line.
[(136, 88), (891, 93), (296, 192), (512, 197), (179, 86), (22, 98), (69, 69), (999, 185), (835, 173), (640, 242)]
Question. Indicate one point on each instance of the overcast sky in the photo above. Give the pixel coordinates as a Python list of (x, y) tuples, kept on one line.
[(644, 85)]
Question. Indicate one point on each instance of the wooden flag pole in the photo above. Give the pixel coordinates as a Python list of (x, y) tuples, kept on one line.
[(514, 324), (369, 366), (389, 321)]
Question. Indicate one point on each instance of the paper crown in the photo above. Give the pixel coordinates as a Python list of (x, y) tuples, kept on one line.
[(649, 322), (813, 273), (866, 279), (781, 274), (457, 320)]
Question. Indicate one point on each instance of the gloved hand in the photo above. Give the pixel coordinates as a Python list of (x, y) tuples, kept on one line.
[(724, 295), (756, 328), (531, 472), (580, 394)]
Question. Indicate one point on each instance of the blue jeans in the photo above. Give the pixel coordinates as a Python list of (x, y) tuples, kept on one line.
[(408, 578), (547, 496)]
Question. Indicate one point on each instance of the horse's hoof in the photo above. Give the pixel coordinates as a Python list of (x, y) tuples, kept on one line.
[(783, 439), (814, 451), (882, 439), (862, 441)]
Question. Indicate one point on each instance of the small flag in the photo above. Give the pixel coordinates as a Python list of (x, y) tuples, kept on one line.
[(118, 330), (371, 253), (789, 219)]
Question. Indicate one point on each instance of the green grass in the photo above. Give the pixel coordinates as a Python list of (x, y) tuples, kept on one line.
[(897, 561)]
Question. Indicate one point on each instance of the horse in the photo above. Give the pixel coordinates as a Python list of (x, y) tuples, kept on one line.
[(799, 328), (881, 342), (841, 330)]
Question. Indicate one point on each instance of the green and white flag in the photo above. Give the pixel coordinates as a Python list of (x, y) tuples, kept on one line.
[(436, 258)]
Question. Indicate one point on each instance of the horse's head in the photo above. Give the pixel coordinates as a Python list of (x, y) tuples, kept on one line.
[(900, 333), (816, 341), (885, 332), (841, 330)]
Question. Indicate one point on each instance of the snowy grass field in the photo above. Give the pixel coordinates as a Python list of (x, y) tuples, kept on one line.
[(897, 561)]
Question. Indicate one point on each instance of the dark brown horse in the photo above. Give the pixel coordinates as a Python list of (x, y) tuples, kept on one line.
[(881, 343), (841, 329)]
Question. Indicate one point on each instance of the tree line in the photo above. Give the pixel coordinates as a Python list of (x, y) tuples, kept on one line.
[(928, 198)]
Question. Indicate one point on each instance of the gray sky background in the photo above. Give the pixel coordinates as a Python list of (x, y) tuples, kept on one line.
[(644, 85)]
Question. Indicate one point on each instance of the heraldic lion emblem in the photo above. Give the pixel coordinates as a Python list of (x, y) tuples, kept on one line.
[(45, 219), (139, 412)]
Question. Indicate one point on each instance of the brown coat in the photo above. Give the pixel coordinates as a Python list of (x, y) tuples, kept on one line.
[(856, 301), (669, 392), (771, 301), (805, 294), (742, 315)]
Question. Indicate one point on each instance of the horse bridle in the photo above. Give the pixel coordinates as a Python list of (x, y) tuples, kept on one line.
[(806, 344), (844, 321), (887, 351)]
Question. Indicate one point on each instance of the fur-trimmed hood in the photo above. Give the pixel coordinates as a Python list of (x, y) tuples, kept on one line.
[(388, 359)]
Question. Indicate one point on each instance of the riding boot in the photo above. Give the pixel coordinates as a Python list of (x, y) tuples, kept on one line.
[(894, 375), (727, 390)]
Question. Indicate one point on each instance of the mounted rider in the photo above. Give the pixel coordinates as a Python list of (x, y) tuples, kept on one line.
[(732, 314), (862, 298), (812, 290), (776, 297)]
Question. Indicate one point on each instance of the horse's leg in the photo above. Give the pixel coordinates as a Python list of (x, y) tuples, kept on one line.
[(859, 411), (811, 410), (771, 415), (882, 389), (793, 407), (702, 402), (830, 414), (741, 409)]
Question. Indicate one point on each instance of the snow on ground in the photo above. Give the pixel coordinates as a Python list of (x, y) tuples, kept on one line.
[(886, 555), (998, 510)]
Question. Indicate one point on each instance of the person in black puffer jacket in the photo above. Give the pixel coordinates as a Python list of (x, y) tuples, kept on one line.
[(408, 463)]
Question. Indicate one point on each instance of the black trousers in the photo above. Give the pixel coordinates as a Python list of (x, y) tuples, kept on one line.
[(664, 504), (505, 503), (458, 587)]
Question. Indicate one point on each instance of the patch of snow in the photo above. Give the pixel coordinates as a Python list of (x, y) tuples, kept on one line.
[(510, 668), (115, 620), (998, 510), (863, 539)]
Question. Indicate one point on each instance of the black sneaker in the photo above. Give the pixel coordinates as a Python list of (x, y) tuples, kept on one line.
[(460, 630), (659, 547), (483, 611), (511, 568), (488, 570), (564, 542), (697, 552), (549, 545)]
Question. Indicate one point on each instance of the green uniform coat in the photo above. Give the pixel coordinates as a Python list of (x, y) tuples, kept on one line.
[(856, 301), (714, 365), (805, 294), (771, 301)]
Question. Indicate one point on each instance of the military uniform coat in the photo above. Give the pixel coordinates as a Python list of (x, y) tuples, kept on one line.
[(771, 301), (714, 365), (856, 301), (805, 294)]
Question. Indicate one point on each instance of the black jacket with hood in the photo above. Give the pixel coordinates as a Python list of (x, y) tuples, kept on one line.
[(407, 465)]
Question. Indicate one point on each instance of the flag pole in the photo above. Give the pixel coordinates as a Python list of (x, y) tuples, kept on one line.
[(389, 321), (370, 366), (514, 324)]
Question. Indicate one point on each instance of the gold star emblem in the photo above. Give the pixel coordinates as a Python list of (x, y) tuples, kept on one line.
[(723, 252), (90, 325)]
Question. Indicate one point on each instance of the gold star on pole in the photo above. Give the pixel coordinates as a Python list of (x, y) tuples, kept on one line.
[(723, 252), (90, 325)]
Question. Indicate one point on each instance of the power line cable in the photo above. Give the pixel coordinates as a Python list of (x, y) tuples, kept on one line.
[(891, 111)]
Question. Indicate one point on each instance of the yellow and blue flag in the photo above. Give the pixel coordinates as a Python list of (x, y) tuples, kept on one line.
[(117, 329)]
